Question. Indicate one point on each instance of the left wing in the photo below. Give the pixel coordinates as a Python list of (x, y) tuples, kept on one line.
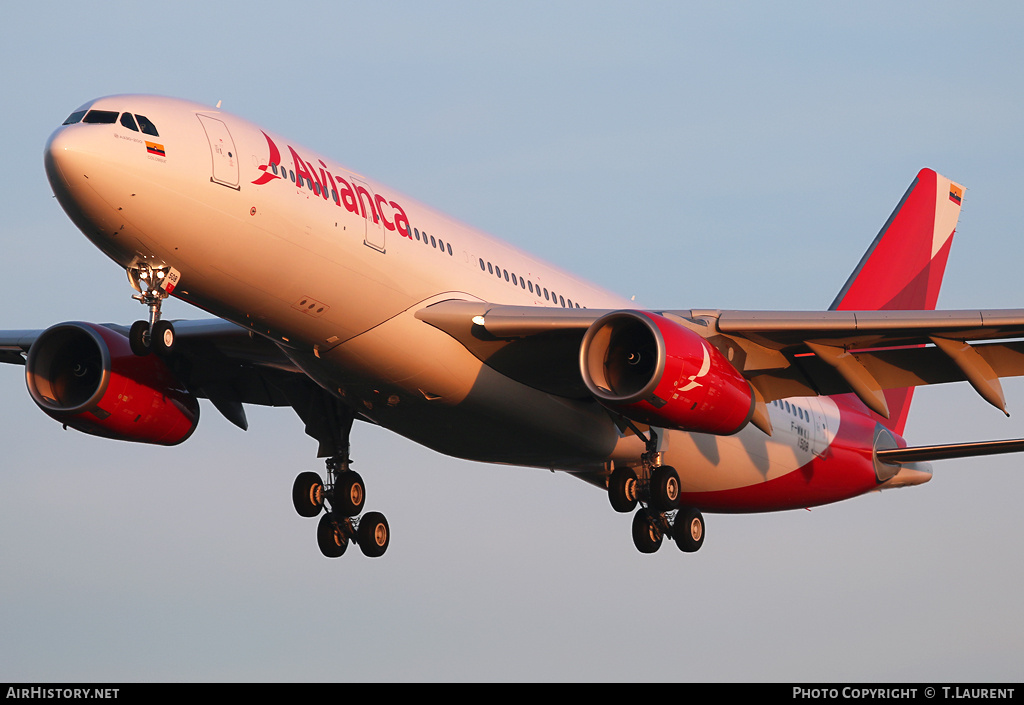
[(781, 353)]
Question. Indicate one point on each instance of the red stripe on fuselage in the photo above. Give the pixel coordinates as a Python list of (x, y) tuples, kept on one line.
[(844, 471)]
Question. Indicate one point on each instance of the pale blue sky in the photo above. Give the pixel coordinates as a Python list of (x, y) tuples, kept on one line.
[(736, 157)]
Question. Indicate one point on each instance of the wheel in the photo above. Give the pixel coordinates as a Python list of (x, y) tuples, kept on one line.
[(665, 488), (373, 534), (330, 537), (646, 532), (308, 494), (349, 495), (138, 338), (688, 530), (163, 338), (622, 489)]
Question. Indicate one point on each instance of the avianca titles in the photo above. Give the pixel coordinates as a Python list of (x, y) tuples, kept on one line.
[(347, 301)]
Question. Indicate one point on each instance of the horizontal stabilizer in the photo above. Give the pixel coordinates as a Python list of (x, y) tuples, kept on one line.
[(952, 450)]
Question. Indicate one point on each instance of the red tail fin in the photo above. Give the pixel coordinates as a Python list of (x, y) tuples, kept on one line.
[(903, 268)]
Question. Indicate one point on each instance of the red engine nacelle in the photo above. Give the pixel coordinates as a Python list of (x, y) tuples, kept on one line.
[(655, 371), (87, 377)]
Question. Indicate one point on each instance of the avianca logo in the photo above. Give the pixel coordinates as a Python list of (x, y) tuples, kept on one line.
[(355, 197), (274, 158), (693, 383)]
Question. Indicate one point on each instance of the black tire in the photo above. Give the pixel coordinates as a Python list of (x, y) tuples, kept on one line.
[(374, 534), (138, 338), (622, 489), (330, 537), (688, 530), (665, 488), (308, 494), (647, 535), (163, 338), (349, 495)]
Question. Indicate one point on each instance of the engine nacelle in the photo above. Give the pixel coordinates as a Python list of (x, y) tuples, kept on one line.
[(86, 377), (655, 371)]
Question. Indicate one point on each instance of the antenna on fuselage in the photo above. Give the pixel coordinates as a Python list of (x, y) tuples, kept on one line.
[(218, 104)]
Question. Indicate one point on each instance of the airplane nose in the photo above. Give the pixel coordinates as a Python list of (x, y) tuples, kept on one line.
[(62, 157), (82, 177)]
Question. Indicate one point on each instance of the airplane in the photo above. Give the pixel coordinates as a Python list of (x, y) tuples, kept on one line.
[(345, 300)]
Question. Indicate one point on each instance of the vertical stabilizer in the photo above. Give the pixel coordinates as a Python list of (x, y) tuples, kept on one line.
[(903, 268)]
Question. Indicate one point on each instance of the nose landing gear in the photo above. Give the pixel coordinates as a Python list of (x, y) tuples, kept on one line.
[(154, 284)]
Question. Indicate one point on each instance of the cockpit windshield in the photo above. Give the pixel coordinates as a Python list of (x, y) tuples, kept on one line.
[(100, 117), (75, 117), (135, 123)]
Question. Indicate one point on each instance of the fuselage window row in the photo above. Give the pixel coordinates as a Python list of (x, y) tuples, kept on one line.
[(523, 284)]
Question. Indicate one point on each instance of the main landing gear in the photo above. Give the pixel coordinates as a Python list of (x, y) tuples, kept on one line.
[(343, 496), (655, 487), (154, 284)]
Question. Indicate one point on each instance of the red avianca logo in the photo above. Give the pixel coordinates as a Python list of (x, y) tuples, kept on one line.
[(355, 197)]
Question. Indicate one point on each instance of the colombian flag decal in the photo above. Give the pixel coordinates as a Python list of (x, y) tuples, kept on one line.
[(955, 193), (158, 150)]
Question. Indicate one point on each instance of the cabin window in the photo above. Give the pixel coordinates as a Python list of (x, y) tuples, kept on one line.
[(449, 246), (433, 242), (514, 282), (546, 294), (531, 286), (334, 195), (440, 244), (490, 269), (505, 272), (482, 267), (148, 128), (562, 299), (128, 121), (522, 282), (75, 117)]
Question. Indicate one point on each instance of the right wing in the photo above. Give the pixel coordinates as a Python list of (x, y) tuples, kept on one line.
[(225, 363)]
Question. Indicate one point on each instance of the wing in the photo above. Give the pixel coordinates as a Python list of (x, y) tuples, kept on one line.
[(225, 363), (781, 353), (881, 332)]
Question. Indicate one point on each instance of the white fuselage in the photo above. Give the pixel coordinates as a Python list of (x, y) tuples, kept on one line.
[(333, 266)]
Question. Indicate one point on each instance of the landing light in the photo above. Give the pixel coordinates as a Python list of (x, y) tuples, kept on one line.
[(478, 320)]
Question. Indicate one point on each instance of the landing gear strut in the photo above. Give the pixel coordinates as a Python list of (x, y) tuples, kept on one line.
[(343, 495), (154, 284), (655, 487)]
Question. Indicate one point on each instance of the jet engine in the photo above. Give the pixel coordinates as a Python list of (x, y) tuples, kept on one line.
[(655, 371), (86, 377)]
